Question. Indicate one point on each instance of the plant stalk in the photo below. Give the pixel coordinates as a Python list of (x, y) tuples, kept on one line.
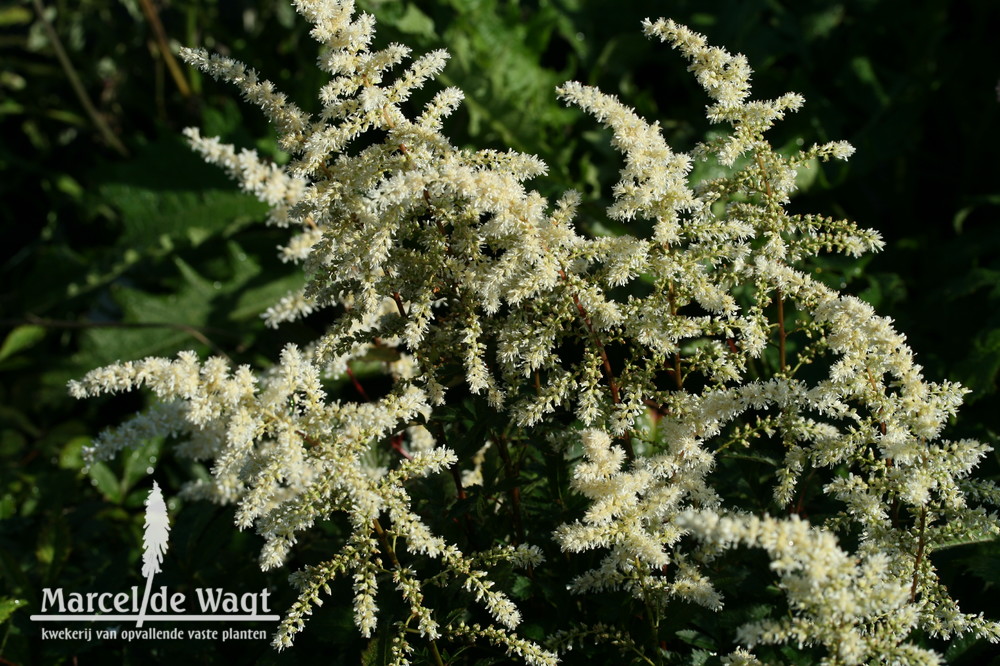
[(678, 377), (391, 554), (161, 40), (515, 492), (609, 374), (921, 546), (782, 364), (74, 81)]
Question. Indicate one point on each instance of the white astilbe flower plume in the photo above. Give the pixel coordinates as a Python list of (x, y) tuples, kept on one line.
[(580, 421), (849, 607)]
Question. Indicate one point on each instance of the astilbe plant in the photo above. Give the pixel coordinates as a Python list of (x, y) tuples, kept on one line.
[(650, 370)]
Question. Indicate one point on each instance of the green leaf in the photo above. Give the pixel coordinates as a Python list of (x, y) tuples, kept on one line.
[(822, 23), (968, 649), (522, 587), (8, 606), (152, 216), (415, 22), (168, 323), (140, 461), (21, 338), (71, 454), (8, 507), (52, 547), (700, 657), (222, 120), (696, 638), (984, 562), (15, 16), (806, 175), (167, 195), (378, 650), (106, 482), (980, 369), (974, 202), (865, 71)]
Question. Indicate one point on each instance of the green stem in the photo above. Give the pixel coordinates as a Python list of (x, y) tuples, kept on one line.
[(437, 655), (515, 491), (921, 546), (74, 81), (781, 332), (390, 552), (399, 304), (609, 374), (161, 40), (678, 377), (781, 297), (654, 624)]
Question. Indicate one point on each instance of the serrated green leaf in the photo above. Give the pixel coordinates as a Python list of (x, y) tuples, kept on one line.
[(980, 369), (984, 563), (166, 194), (700, 657), (696, 638), (238, 266), (102, 346), (223, 119), (167, 323), (152, 218), (497, 62)]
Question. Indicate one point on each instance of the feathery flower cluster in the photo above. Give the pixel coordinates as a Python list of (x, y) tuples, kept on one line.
[(490, 298), (854, 609)]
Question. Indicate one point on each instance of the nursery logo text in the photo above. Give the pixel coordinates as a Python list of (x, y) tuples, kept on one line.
[(153, 605)]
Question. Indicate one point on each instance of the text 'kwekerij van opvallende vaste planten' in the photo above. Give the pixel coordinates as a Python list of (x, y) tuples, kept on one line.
[(561, 464)]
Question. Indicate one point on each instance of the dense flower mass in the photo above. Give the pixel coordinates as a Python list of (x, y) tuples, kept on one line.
[(648, 367)]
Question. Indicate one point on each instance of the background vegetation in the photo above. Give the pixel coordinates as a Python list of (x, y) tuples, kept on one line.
[(117, 242)]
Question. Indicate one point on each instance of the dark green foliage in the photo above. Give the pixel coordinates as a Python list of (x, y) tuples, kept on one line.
[(107, 257)]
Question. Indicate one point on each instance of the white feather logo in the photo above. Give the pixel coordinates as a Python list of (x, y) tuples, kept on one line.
[(154, 542)]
